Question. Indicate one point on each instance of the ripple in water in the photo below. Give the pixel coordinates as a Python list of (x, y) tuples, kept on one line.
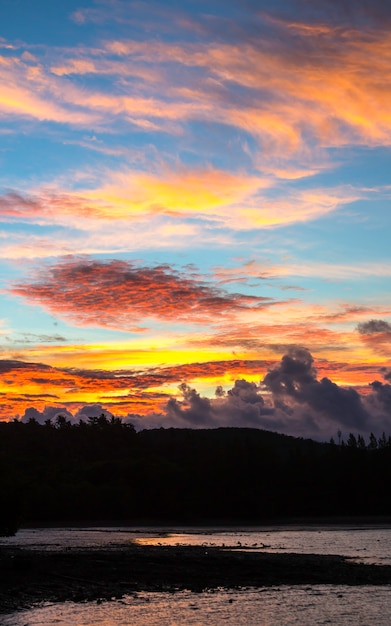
[(287, 606)]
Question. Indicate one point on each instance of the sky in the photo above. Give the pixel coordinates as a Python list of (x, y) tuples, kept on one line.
[(195, 213)]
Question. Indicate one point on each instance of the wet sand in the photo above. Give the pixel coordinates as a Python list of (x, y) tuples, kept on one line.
[(28, 577)]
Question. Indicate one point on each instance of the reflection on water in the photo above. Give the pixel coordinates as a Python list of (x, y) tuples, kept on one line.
[(367, 544), (287, 606)]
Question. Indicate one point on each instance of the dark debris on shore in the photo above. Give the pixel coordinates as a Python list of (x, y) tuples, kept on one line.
[(28, 577)]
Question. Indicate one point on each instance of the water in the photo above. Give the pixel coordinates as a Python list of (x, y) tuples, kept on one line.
[(282, 606), (368, 544)]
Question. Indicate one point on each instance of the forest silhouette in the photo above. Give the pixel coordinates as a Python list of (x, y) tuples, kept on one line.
[(103, 470)]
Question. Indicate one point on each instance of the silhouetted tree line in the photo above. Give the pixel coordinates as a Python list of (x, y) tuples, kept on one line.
[(359, 442), (103, 470)]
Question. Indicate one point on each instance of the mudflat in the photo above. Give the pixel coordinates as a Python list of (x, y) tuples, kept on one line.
[(28, 577)]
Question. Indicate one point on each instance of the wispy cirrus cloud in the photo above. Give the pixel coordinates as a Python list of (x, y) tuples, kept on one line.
[(329, 87), (264, 270), (235, 201), (108, 238), (27, 91), (275, 90), (314, 85)]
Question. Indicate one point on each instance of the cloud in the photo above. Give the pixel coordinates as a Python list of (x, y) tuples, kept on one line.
[(107, 237), (294, 383), (28, 91), (92, 410), (133, 193), (242, 405), (48, 413), (347, 12), (204, 192), (290, 398), (378, 404), (9, 365), (14, 205), (376, 335), (373, 327), (153, 376), (293, 85), (31, 338), (120, 294), (154, 204), (312, 82), (53, 390), (327, 328), (265, 270)]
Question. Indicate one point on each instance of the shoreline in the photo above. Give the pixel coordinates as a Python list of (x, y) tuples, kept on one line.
[(29, 577), (353, 520)]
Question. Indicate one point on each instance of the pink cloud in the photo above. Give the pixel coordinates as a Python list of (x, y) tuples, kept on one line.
[(119, 294)]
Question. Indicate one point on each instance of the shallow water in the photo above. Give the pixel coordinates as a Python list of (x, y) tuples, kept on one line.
[(369, 544), (283, 606)]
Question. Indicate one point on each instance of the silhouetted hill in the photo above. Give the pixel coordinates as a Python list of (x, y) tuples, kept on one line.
[(104, 470)]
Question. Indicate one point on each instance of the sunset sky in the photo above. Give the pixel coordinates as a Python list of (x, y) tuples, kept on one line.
[(195, 213)]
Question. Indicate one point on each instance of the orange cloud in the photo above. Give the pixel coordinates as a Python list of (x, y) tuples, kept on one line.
[(119, 294), (210, 371), (121, 391), (237, 201), (54, 390), (332, 86), (311, 86), (131, 194), (25, 384), (26, 91), (263, 270), (138, 299), (202, 192)]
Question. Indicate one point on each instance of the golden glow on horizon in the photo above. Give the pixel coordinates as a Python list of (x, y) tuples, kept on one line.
[(204, 199)]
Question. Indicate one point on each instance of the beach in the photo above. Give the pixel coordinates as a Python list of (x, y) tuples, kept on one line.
[(29, 577)]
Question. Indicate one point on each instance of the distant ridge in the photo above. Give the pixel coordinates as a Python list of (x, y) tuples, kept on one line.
[(105, 470)]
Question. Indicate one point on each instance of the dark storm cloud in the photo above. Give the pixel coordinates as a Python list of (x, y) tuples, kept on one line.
[(382, 393), (294, 381), (378, 404), (243, 405), (387, 375)]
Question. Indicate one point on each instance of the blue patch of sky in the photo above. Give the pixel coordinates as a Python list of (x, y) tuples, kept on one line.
[(41, 21), (38, 158), (22, 317), (216, 144), (26, 318), (9, 271), (352, 233), (358, 166), (370, 167)]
